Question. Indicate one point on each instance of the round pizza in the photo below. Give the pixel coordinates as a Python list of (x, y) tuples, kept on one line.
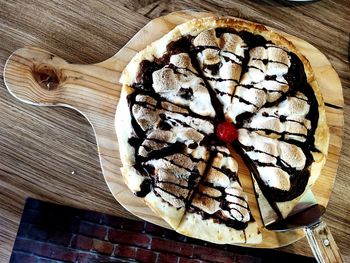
[(208, 90)]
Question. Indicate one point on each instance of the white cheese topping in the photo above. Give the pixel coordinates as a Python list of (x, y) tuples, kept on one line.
[(181, 85), (220, 190), (287, 119), (272, 157), (221, 62), (263, 82)]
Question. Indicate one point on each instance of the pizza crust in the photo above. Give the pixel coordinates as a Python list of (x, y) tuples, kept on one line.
[(321, 143), (131, 178), (124, 128), (166, 211), (193, 225), (169, 213)]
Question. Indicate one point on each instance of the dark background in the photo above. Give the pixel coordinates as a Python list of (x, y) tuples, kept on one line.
[(50, 233)]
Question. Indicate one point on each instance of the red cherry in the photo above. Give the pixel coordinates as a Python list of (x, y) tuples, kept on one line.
[(226, 132)]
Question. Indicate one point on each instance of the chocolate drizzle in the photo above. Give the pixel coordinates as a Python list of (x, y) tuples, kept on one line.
[(144, 78), (297, 82), (266, 61), (218, 216), (283, 135), (214, 68), (186, 93), (145, 188)]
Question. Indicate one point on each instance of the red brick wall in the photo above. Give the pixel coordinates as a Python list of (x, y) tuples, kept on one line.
[(53, 233)]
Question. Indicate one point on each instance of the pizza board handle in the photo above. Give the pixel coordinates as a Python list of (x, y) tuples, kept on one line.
[(38, 77), (322, 243)]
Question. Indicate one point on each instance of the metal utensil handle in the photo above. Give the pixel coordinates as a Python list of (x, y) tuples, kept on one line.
[(322, 243)]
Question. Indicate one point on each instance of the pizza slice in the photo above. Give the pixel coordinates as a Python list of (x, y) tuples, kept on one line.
[(167, 159), (294, 127), (282, 169), (179, 82), (218, 211), (264, 81), (220, 55)]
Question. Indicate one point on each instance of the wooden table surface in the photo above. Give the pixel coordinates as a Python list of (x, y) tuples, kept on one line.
[(51, 154)]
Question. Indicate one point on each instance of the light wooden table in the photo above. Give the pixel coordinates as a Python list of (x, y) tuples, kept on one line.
[(50, 153)]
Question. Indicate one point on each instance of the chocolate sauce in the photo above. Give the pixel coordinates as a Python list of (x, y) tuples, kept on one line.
[(144, 77), (221, 93), (254, 67), (186, 93), (274, 78), (164, 125), (193, 145), (221, 80), (244, 101), (249, 39), (145, 188), (214, 68), (176, 147), (177, 70), (296, 76), (231, 175), (194, 178), (145, 170), (227, 59), (266, 61), (283, 118), (183, 45), (219, 218)]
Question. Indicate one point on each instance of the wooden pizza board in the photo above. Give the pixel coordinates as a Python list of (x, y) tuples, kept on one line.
[(38, 77)]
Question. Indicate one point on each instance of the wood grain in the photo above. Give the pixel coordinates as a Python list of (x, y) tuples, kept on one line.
[(40, 147), (38, 77)]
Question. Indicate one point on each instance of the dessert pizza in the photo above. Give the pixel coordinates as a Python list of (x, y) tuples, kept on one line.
[(209, 88)]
